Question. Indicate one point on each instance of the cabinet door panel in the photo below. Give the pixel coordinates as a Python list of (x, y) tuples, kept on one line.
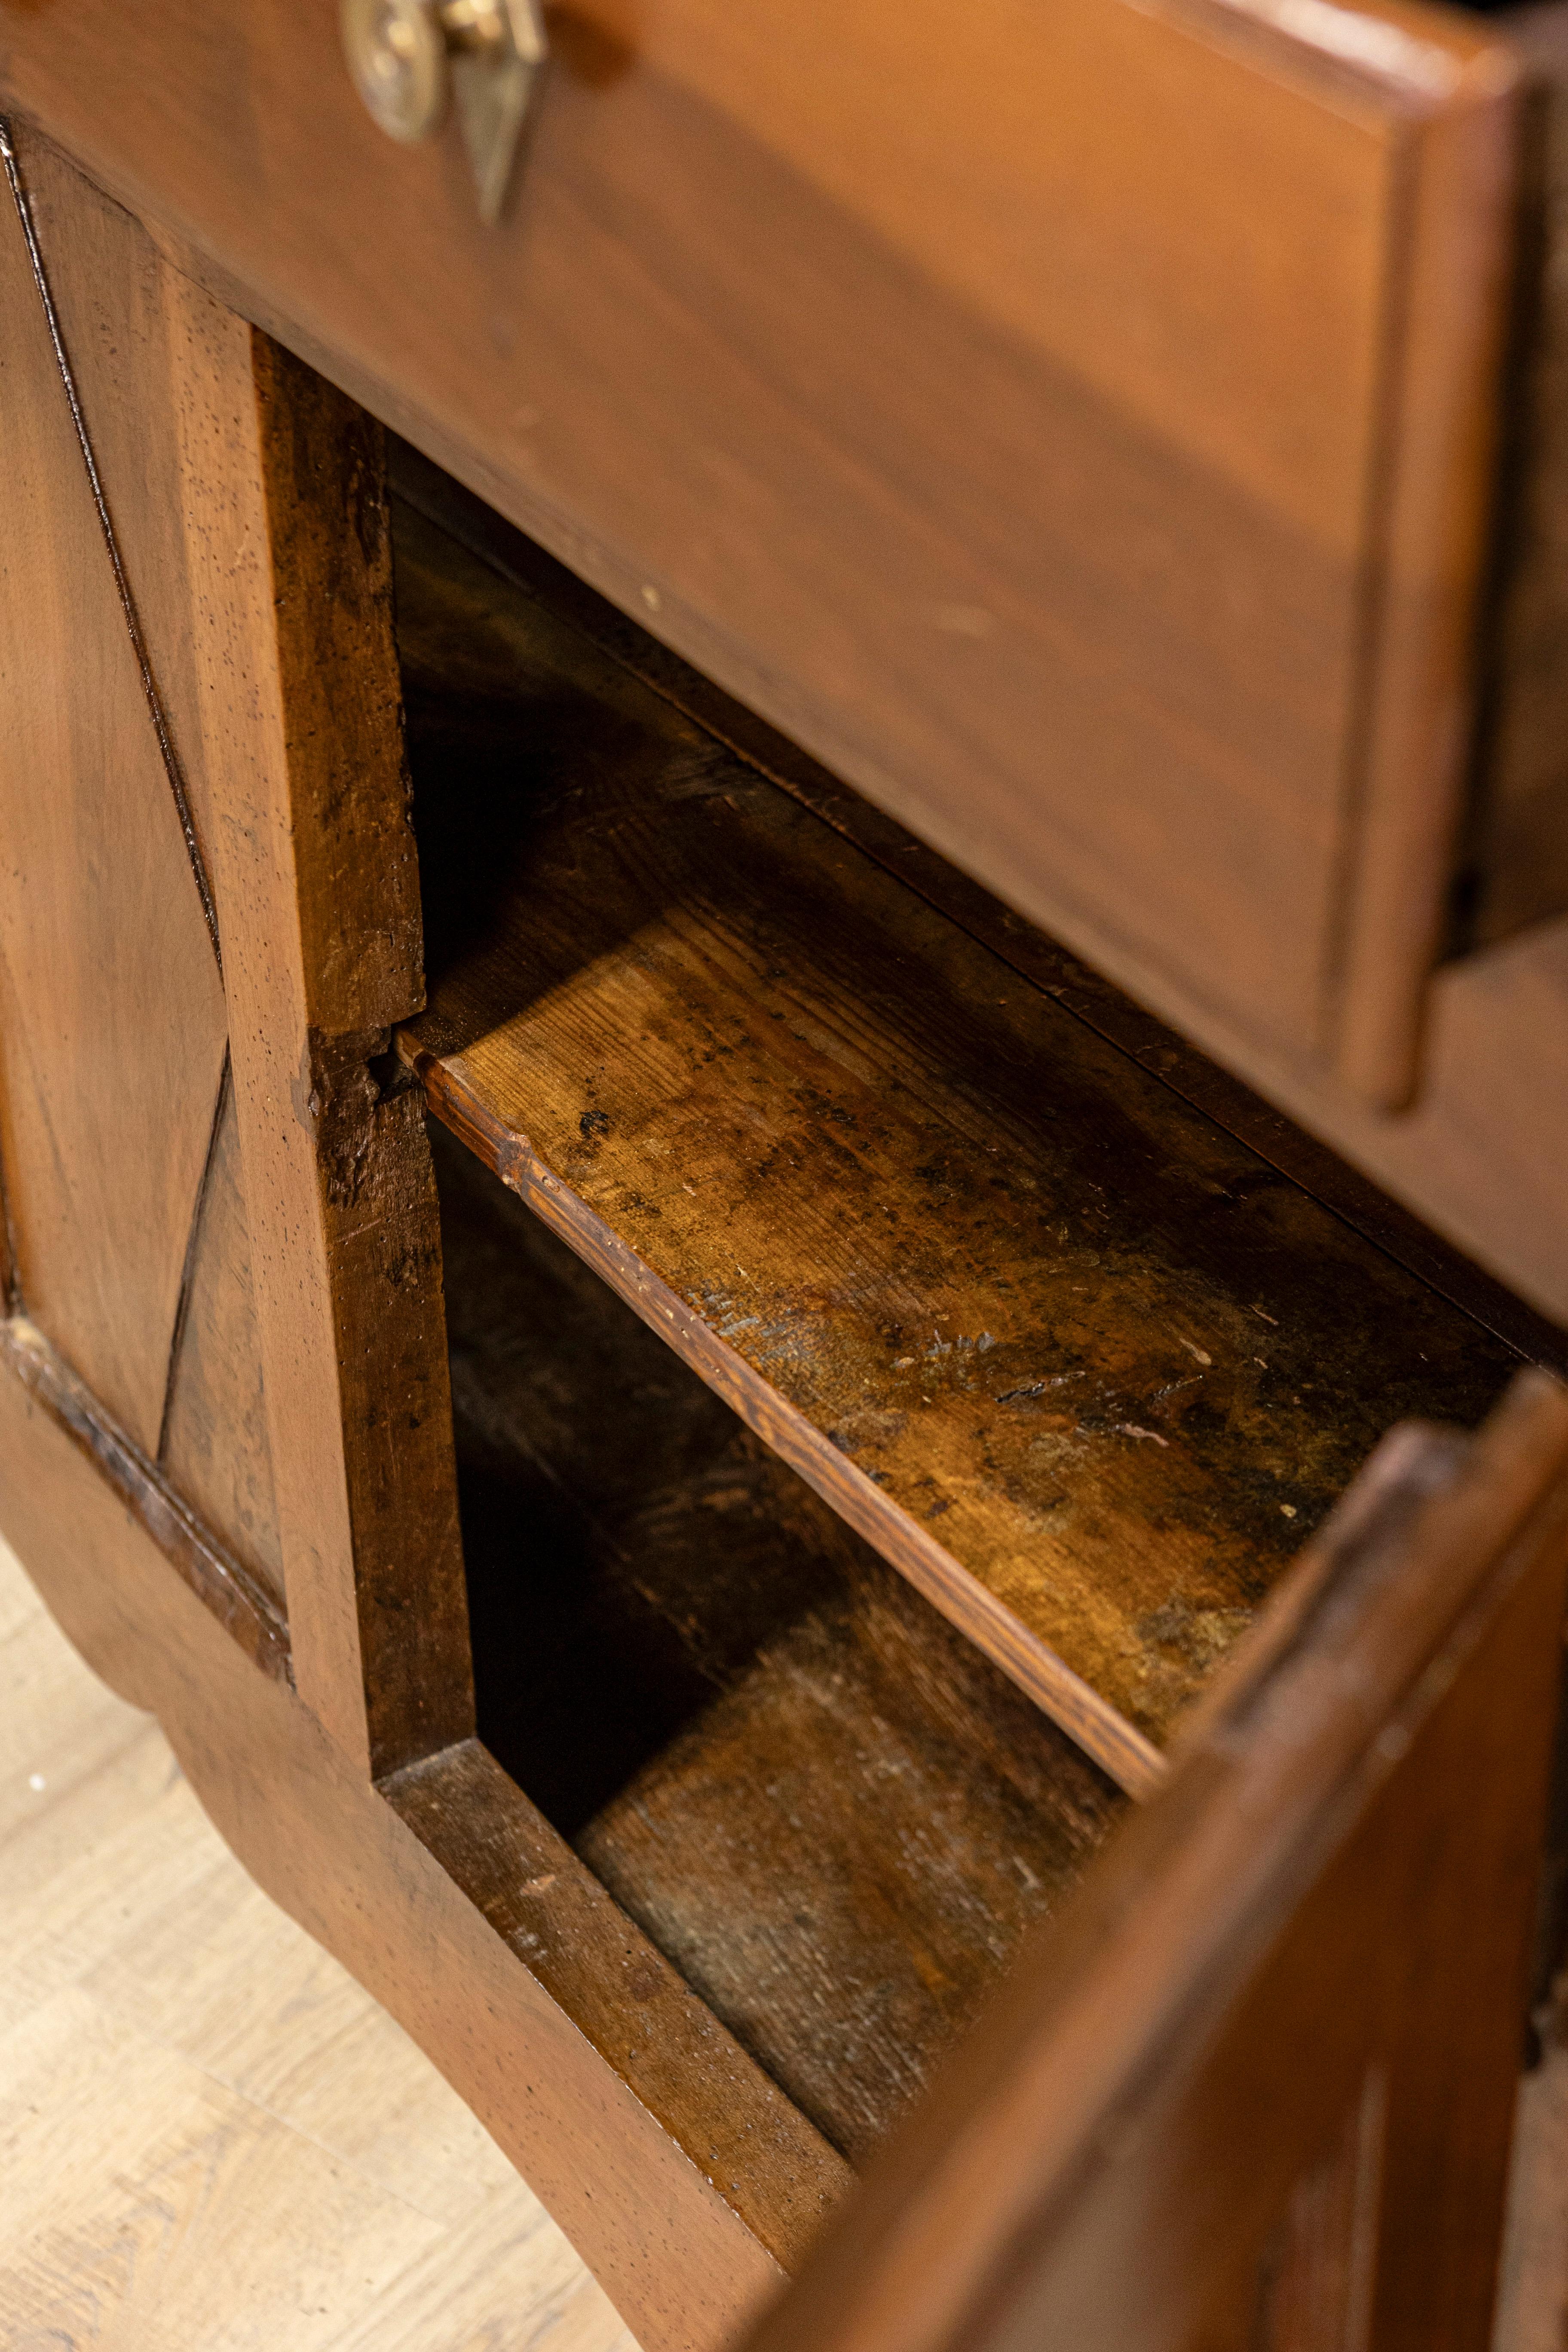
[(111, 1011)]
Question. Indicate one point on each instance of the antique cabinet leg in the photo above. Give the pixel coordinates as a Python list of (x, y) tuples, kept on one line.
[(299, 710)]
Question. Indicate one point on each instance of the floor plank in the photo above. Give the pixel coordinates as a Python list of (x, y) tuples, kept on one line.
[(210, 2137)]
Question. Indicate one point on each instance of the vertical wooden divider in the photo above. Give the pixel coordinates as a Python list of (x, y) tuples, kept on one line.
[(314, 870)]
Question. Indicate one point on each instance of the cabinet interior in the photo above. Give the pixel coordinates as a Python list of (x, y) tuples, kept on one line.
[(858, 1361)]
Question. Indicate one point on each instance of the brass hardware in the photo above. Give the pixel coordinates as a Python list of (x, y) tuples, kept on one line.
[(410, 57)]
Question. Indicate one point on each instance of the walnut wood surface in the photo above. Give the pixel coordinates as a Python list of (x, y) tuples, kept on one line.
[(841, 1854), (1256, 2090), (684, 2177), (295, 707), (831, 1813), (1088, 994), (111, 1008), (1073, 426), (1077, 1362)]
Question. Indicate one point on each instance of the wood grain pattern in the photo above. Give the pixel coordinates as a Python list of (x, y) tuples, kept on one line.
[(249, 496), (1088, 994), (110, 1009), (215, 2133), (817, 1800), (843, 1854), (215, 1446), (1072, 427), (298, 711), (1117, 2152), (1435, 490), (685, 2210), (1064, 1351), (1477, 1156)]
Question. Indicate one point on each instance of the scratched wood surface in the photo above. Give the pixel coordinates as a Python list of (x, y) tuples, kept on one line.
[(1078, 1361), (214, 2137), (1258, 2087), (197, 1403), (832, 1813)]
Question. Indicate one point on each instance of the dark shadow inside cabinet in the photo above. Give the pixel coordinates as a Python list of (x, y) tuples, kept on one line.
[(832, 1813)]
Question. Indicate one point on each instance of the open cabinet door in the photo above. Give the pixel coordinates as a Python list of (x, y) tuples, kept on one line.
[(1253, 2091)]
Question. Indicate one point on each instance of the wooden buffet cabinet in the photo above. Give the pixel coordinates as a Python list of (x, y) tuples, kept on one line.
[(922, 702)]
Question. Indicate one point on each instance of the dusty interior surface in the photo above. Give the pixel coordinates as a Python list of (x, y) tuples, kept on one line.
[(1014, 1297), (831, 1813)]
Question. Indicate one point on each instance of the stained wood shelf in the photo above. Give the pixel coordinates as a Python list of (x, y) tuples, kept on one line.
[(1080, 1364), (823, 1806)]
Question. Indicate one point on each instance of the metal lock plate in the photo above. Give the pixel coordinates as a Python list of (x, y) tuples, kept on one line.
[(410, 58)]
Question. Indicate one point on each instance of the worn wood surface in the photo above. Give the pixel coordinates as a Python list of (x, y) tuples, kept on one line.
[(111, 1011), (829, 1812), (1086, 994), (1258, 2088), (1072, 427), (214, 2137), (1479, 1156), (681, 2174), (841, 1854), (297, 707), (1082, 1365)]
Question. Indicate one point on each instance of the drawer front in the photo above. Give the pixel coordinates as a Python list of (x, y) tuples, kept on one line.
[(1071, 424)]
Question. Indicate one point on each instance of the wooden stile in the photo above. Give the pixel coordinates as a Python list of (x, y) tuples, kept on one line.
[(297, 708)]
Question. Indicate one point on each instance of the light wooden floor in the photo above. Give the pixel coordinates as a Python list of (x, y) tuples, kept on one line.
[(210, 2136)]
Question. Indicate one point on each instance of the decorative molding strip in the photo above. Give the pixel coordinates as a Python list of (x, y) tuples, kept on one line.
[(229, 1590)]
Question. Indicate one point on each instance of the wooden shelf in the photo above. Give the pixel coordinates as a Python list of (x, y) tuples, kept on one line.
[(827, 1810), (1080, 1363)]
